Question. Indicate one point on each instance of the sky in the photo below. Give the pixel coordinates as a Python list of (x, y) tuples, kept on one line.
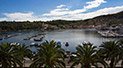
[(46, 10)]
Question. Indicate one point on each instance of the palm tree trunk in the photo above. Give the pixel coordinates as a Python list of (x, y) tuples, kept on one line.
[(4, 65), (87, 65), (112, 63), (49, 66), (122, 63)]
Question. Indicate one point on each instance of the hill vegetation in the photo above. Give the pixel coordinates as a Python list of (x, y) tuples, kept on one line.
[(106, 20)]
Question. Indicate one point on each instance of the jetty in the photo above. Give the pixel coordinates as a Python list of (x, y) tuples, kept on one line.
[(110, 31), (37, 37), (110, 34), (7, 36)]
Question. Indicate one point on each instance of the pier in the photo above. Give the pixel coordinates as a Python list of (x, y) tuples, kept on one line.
[(37, 37), (109, 34)]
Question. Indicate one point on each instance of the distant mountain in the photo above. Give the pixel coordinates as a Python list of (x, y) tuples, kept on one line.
[(111, 19)]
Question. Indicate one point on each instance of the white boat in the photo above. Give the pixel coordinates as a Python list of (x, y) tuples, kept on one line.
[(33, 44), (38, 39)]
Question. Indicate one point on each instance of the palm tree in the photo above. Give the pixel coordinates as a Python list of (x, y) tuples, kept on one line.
[(49, 55), (7, 56), (23, 51), (110, 51), (86, 55), (120, 57)]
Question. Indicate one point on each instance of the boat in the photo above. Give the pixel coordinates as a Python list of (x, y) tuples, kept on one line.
[(38, 39), (33, 44), (14, 43), (1, 39), (26, 39)]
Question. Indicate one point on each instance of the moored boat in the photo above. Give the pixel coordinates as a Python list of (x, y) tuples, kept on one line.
[(1, 39), (38, 39), (33, 44)]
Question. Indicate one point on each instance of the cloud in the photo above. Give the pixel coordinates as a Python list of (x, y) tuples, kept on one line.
[(104, 11), (94, 4), (57, 12), (80, 16), (22, 16), (64, 13), (19, 16), (61, 6), (63, 10)]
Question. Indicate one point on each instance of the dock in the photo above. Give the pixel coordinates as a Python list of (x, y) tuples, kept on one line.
[(37, 37), (110, 34)]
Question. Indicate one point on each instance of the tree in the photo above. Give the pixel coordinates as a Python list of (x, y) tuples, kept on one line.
[(49, 55), (86, 55), (22, 51), (110, 51), (7, 56), (120, 57)]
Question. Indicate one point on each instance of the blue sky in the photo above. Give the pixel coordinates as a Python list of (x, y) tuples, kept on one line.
[(22, 10)]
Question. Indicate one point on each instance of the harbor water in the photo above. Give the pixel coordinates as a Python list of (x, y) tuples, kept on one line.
[(74, 37)]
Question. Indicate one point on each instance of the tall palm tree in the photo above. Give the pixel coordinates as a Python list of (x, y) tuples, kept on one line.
[(49, 55), (110, 51), (22, 51), (7, 56), (86, 55), (120, 57)]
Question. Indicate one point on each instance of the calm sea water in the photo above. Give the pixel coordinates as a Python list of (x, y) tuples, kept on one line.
[(73, 36)]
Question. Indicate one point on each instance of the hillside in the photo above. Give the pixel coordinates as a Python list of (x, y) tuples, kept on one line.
[(110, 19), (106, 20)]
